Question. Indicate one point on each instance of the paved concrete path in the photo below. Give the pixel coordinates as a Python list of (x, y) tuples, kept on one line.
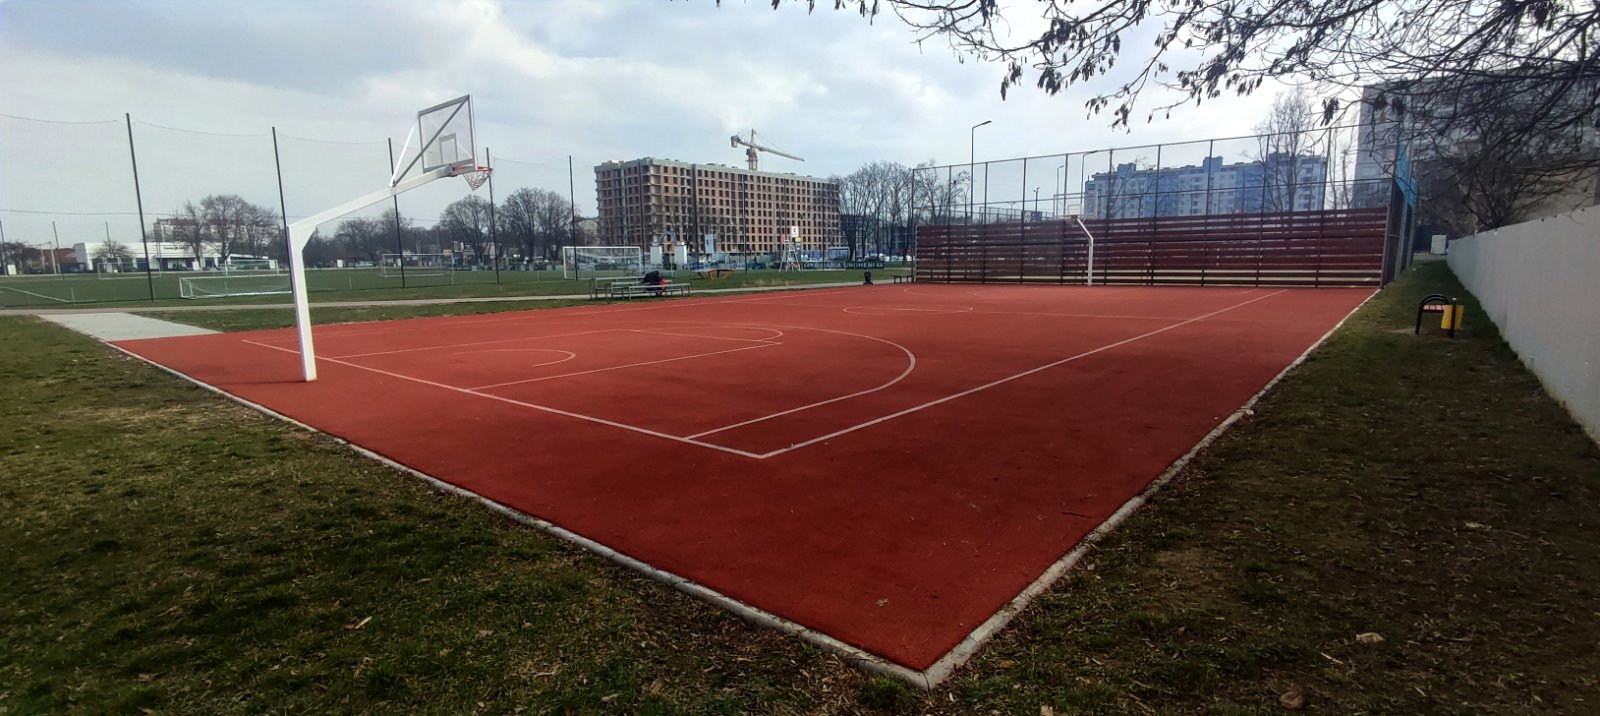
[(123, 326), (141, 308)]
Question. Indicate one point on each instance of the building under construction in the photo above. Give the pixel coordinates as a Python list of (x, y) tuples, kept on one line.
[(747, 212)]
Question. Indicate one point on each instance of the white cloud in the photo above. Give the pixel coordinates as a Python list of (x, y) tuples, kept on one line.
[(595, 79)]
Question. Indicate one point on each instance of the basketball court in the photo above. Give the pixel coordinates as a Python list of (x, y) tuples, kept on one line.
[(882, 468)]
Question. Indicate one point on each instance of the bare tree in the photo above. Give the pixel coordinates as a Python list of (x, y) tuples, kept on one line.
[(1288, 134), (364, 238), (113, 252), (939, 196), (538, 221), (1485, 182), (232, 225), (404, 236), (878, 195), (466, 221), (188, 227), (1442, 59)]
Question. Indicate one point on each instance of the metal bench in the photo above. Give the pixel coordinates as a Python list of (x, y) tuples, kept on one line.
[(904, 278), (619, 289)]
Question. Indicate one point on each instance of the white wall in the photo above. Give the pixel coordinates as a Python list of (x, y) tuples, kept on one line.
[(1540, 283)]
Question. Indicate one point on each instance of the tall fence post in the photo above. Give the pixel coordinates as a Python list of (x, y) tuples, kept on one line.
[(138, 197), (1261, 224), (1205, 235), (399, 242), (494, 244), (1150, 263), (572, 199), (283, 207), (1022, 239)]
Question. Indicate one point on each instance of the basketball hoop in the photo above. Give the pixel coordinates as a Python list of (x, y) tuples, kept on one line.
[(476, 175)]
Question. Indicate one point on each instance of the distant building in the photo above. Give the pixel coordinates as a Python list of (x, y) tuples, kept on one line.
[(749, 212), (1282, 182), (1430, 133)]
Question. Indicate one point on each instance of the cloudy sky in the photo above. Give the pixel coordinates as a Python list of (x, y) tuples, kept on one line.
[(593, 79)]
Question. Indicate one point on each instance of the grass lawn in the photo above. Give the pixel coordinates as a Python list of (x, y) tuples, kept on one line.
[(168, 551), (355, 285)]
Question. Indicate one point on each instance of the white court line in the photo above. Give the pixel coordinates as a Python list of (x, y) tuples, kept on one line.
[(779, 334), (911, 364), (570, 354), (474, 343), (1079, 315), (691, 440), (40, 295), (543, 408), (986, 386), (618, 367), (887, 309)]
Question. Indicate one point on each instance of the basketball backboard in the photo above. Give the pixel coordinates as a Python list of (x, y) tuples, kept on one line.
[(444, 136)]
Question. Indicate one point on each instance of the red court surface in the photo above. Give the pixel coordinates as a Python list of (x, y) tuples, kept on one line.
[(888, 465)]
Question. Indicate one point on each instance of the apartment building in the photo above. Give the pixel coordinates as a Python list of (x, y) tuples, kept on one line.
[(1281, 182), (748, 212)]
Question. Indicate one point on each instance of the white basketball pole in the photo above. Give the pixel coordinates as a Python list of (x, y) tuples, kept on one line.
[(300, 234)]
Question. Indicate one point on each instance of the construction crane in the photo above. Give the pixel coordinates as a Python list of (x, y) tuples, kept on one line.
[(752, 147)]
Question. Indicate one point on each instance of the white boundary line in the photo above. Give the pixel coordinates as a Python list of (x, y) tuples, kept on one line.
[(40, 295), (570, 354), (525, 404), (889, 309), (462, 345), (926, 679), (524, 381), (862, 659), (977, 638), (911, 365), (774, 339), (1008, 379)]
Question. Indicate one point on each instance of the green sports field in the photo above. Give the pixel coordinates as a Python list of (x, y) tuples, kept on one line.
[(365, 284)]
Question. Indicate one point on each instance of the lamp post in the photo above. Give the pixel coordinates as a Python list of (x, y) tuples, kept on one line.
[(1061, 173), (972, 160)]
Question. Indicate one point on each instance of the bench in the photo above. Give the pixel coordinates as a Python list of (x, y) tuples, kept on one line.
[(904, 278), (618, 289)]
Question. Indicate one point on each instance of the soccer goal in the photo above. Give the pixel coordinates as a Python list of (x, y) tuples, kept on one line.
[(393, 265), (249, 265), (601, 261), (257, 284)]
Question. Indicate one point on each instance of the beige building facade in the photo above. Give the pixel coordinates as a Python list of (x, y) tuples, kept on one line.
[(749, 212)]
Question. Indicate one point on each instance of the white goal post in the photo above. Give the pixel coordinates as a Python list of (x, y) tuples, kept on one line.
[(260, 284), (601, 261), (394, 265)]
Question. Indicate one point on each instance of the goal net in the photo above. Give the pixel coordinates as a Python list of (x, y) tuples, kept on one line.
[(258, 284), (414, 265), (601, 261), (247, 265)]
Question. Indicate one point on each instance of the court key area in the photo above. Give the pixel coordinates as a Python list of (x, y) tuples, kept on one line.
[(886, 465)]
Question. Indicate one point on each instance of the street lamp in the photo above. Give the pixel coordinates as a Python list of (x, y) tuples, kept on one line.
[(972, 160), (1061, 174)]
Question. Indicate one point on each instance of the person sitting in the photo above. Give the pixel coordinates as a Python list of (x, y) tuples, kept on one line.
[(653, 278)]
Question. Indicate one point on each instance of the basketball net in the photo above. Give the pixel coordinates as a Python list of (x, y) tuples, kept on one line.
[(477, 176)]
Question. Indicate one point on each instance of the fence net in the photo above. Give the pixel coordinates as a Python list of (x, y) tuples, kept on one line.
[(1302, 208), (214, 201)]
